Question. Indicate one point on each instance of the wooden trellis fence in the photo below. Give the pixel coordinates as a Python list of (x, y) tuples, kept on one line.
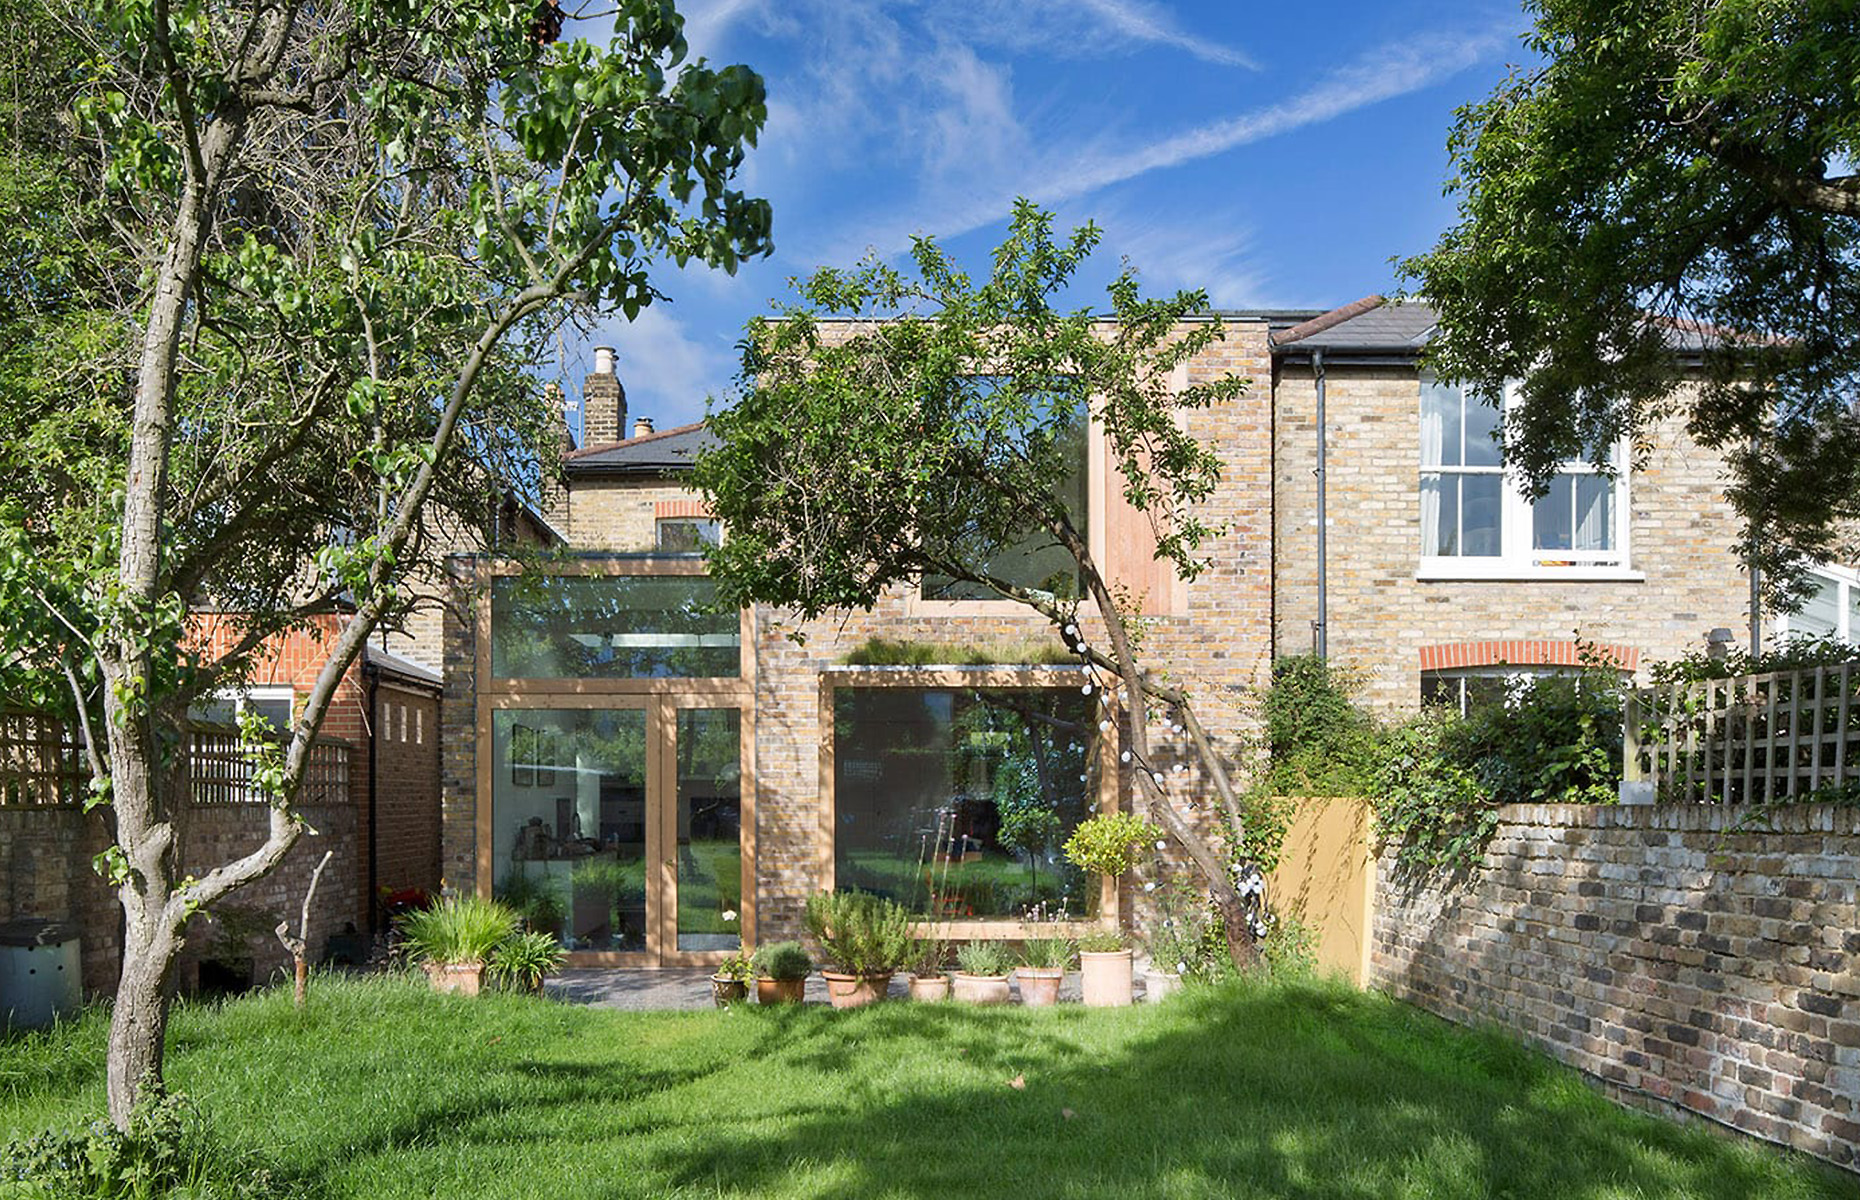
[(1751, 739), (42, 764)]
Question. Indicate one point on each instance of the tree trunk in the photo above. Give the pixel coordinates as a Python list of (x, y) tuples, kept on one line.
[(139, 1023)]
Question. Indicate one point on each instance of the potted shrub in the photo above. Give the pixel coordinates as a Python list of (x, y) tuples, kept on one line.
[(729, 984), (453, 939), (781, 972), (928, 982), (1175, 941), (1108, 844), (864, 939), (1105, 979), (1043, 963), (521, 960), (982, 973)]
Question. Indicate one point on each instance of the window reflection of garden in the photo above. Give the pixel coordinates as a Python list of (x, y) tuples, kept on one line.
[(956, 801), (710, 828), (546, 626), (569, 822)]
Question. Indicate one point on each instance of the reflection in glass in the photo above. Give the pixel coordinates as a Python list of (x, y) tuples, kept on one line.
[(710, 828), (568, 822), (1481, 501), (1577, 513), (611, 627), (956, 801), (1820, 614)]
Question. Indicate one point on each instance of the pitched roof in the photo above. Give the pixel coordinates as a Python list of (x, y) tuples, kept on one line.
[(669, 450), (1371, 325)]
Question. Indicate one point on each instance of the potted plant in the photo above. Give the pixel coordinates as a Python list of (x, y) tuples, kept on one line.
[(781, 972), (729, 983), (928, 981), (521, 960), (453, 939), (1105, 978), (982, 973), (1175, 941), (1108, 844), (1043, 963), (864, 938)]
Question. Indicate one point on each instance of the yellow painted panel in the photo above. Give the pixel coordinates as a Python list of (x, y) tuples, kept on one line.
[(1326, 877)]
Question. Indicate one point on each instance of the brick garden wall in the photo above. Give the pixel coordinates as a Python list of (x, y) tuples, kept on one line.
[(45, 871), (406, 751), (1688, 964)]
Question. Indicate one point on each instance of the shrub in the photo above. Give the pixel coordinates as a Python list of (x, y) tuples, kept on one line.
[(1289, 949), (1321, 743), (983, 958), (1103, 941), (1048, 954), (522, 959), (1108, 842), (782, 960), (859, 933), (1178, 939), (1428, 804), (1797, 652), (459, 929)]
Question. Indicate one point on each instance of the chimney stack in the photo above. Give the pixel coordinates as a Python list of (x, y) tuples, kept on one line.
[(642, 426), (603, 402)]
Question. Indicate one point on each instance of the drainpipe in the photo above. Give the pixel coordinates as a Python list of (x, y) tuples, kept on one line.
[(1320, 628), (1756, 578)]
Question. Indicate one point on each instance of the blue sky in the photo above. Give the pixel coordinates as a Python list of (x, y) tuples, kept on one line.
[(1277, 155)]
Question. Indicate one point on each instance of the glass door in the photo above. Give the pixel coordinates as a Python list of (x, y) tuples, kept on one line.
[(704, 826), (571, 821)]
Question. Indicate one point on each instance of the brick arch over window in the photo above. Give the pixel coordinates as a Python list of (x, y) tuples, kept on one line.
[(1450, 656)]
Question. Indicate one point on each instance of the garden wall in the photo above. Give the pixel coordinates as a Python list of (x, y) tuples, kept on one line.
[(1326, 878), (45, 871), (1691, 958)]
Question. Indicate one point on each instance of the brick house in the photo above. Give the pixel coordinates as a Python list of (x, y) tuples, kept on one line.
[(667, 777)]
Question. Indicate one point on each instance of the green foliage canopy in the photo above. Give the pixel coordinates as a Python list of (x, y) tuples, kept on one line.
[(1674, 167)]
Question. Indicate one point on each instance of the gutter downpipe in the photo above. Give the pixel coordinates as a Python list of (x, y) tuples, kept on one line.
[(1320, 628)]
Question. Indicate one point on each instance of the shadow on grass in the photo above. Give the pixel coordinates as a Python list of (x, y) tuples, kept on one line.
[(1309, 1092)]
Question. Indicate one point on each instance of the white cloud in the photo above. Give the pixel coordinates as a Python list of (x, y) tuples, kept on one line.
[(1146, 22), (1210, 251), (1062, 175)]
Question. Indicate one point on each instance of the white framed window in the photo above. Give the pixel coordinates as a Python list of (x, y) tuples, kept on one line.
[(275, 703), (1831, 610), (1476, 521)]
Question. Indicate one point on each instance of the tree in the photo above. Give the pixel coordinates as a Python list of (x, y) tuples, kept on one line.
[(929, 439), (1666, 174), (303, 260)]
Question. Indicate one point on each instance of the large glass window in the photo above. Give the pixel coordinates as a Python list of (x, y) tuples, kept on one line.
[(1832, 609), (956, 801), (1471, 508), (709, 820), (611, 627), (568, 822), (1033, 559)]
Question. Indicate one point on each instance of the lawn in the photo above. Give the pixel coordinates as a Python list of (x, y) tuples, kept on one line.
[(382, 1090)]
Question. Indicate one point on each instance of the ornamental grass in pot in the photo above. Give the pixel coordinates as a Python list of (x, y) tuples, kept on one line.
[(522, 960), (1108, 844), (864, 939), (453, 939), (781, 972), (982, 973), (929, 983), (1043, 963)]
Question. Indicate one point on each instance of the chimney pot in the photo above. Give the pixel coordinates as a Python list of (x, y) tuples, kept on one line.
[(642, 426), (603, 360)]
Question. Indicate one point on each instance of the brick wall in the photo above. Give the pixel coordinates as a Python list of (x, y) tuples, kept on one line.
[(1381, 616), (406, 789), (620, 514), (1685, 956), (45, 871)]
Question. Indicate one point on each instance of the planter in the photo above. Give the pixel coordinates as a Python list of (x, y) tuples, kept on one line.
[(1160, 984), (855, 991), (980, 989), (727, 990), (1039, 986), (929, 988), (780, 991), (1106, 978), (463, 978)]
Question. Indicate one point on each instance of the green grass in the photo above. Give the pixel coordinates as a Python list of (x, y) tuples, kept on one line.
[(382, 1090)]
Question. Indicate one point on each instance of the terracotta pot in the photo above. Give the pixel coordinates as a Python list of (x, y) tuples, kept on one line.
[(929, 988), (727, 990), (1160, 984), (1039, 986), (1106, 978), (461, 978), (855, 991), (780, 991), (980, 989)]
